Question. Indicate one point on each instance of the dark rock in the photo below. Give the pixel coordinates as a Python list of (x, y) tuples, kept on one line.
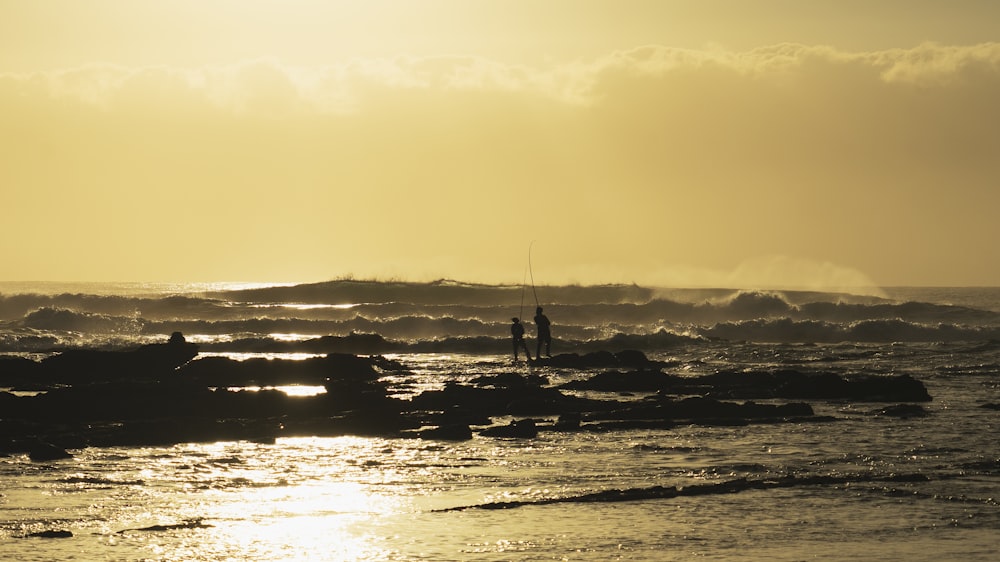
[(51, 534), (532, 405), (901, 411), (189, 524), (352, 343), (452, 432), (568, 421), (489, 401), (377, 421), (702, 408), (576, 361), (625, 425), (149, 362), (876, 388), (163, 413), (763, 384), (509, 380), (17, 371), (222, 371), (68, 440), (162, 405), (348, 366), (614, 381), (520, 429), (460, 415), (597, 359), (43, 452), (789, 383), (632, 358)]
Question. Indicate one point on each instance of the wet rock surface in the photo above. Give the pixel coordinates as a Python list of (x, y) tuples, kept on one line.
[(163, 394), (50, 534), (785, 384)]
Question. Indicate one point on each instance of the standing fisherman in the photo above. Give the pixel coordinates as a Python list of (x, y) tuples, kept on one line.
[(517, 334), (544, 333)]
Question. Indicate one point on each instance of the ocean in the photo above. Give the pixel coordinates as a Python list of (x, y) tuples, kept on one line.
[(863, 477)]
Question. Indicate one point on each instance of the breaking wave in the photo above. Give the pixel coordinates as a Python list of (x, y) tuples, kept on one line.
[(463, 317)]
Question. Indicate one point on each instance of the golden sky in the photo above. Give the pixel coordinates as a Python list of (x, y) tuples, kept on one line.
[(771, 143)]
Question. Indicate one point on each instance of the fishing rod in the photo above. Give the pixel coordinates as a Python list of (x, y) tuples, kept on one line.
[(532, 276), (524, 280)]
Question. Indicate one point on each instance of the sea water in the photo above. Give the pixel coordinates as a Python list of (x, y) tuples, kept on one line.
[(360, 498)]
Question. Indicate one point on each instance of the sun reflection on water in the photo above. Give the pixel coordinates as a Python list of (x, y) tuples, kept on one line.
[(289, 389), (304, 499), (324, 520), (243, 356)]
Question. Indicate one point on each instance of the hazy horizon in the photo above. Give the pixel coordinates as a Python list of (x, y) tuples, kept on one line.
[(767, 144)]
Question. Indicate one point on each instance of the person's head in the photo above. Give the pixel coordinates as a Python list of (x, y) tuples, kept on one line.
[(514, 320), (538, 310)]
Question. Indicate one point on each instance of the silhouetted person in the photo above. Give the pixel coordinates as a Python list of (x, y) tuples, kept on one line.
[(517, 334), (544, 333)]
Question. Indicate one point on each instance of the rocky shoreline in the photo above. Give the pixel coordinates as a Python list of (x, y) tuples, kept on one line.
[(164, 394)]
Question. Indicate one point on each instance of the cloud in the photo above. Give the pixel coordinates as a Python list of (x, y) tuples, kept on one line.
[(266, 83), (625, 165), (936, 65), (263, 84)]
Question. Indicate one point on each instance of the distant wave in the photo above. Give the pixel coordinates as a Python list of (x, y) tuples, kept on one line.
[(17, 306), (786, 330), (416, 328), (70, 320), (452, 313), (443, 291)]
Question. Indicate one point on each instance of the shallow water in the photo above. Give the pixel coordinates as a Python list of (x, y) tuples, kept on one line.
[(353, 498)]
